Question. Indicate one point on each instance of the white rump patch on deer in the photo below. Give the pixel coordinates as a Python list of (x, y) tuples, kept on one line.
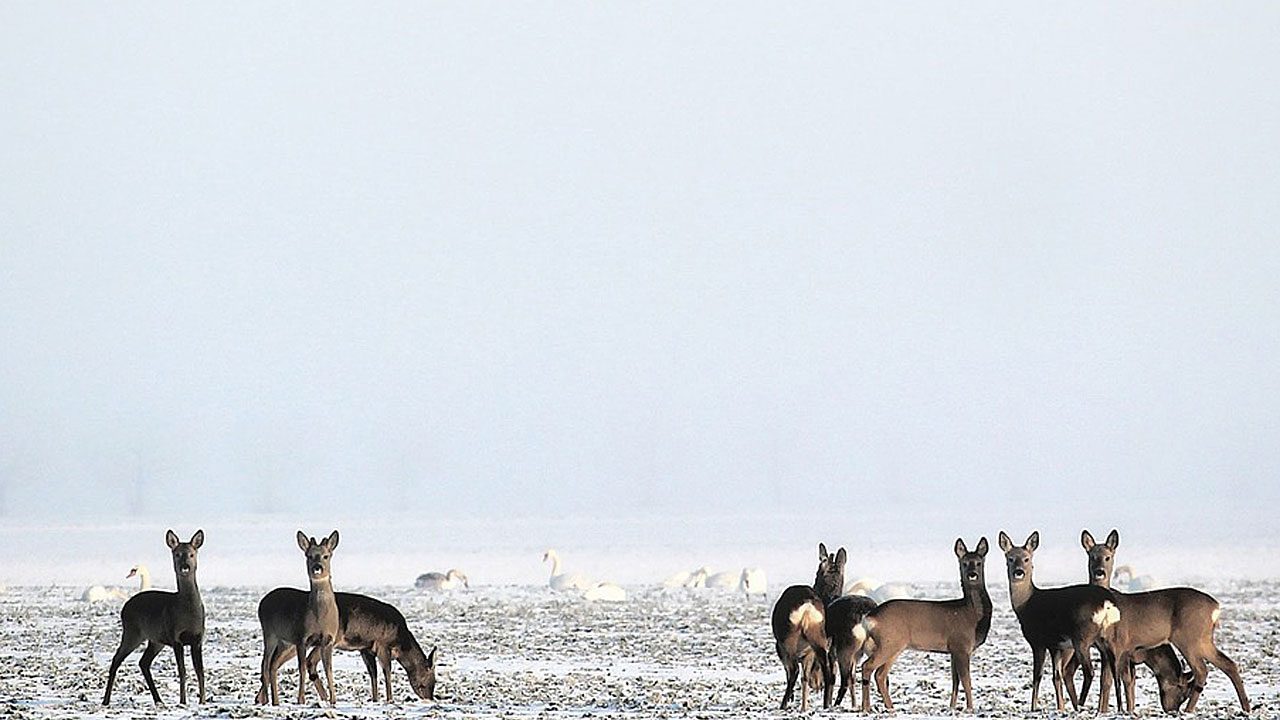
[(860, 632), (806, 614), (1107, 615)]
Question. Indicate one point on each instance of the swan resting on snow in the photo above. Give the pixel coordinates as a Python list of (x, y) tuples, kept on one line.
[(564, 581), (605, 592), (441, 581), (753, 581), (878, 591), (102, 593), (688, 579)]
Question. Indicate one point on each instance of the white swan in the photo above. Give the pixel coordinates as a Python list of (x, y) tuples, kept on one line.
[(1130, 583), (878, 591), (688, 579), (753, 581), (102, 593), (562, 581), (605, 592), (727, 580), (441, 581)]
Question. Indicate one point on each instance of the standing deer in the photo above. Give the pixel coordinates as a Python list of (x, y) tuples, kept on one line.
[(316, 625), (1183, 617), (799, 630), (1174, 686), (1058, 619), (165, 618), (957, 627), (374, 628), (843, 615)]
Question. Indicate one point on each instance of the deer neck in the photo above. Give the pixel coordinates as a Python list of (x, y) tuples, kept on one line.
[(976, 595), (1021, 592), (187, 587), (322, 592)]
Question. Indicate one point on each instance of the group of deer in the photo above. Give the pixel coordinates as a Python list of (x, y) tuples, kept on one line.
[(308, 624), (817, 631)]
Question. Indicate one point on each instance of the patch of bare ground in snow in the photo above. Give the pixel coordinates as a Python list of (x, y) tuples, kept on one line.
[(525, 652)]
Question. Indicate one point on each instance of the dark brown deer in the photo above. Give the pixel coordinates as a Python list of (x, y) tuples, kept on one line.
[(1054, 620), (161, 618), (374, 628), (799, 630), (957, 627), (1183, 617), (317, 625), (843, 615)]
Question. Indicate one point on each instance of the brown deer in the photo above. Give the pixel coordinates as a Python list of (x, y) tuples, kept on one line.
[(1183, 617), (799, 630), (1054, 620), (316, 625), (374, 628), (1173, 684), (164, 618), (843, 615), (957, 627)]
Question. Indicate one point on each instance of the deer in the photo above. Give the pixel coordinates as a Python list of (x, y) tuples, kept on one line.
[(1174, 686), (1181, 616), (377, 630), (958, 627), (316, 623), (799, 629), (844, 612), (1055, 620), (162, 618)]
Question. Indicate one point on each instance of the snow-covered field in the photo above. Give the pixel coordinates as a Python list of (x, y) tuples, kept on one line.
[(526, 652), (510, 647)]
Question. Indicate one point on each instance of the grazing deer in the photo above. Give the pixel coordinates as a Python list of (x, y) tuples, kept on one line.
[(957, 627), (165, 618), (799, 629), (1057, 619), (1183, 617), (316, 625), (374, 628)]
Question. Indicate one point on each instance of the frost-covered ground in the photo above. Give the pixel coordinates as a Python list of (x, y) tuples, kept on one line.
[(511, 648), (526, 652)]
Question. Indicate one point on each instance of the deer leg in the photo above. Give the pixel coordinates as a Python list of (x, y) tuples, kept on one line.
[(1037, 669), (1105, 681), (1086, 670), (327, 656), (844, 661), (955, 681), (182, 673), (1200, 673), (153, 649), (281, 655), (313, 662), (129, 642), (384, 659), (1055, 661), (1228, 666), (967, 679), (302, 672), (790, 665), (1069, 673), (371, 667), (1064, 658), (804, 682), (197, 662)]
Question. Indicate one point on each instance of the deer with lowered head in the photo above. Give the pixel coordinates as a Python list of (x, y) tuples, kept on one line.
[(1057, 620), (957, 627), (1183, 617), (374, 628), (316, 624), (161, 618), (799, 630)]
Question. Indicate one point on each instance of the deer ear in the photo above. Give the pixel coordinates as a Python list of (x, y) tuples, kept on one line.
[(332, 541), (1113, 539), (1033, 541), (431, 657), (982, 547), (1086, 540), (960, 548), (1005, 543), (171, 539), (303, 542), (822, 552), (198, 539), (841, 557)]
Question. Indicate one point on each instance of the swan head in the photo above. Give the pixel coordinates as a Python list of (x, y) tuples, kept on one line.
[(457, 575), (550, 555)]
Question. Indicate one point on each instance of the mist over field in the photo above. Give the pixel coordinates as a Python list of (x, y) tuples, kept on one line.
[(684, 276)]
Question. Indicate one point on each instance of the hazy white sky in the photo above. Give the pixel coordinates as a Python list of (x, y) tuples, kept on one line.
[(639, 257)]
